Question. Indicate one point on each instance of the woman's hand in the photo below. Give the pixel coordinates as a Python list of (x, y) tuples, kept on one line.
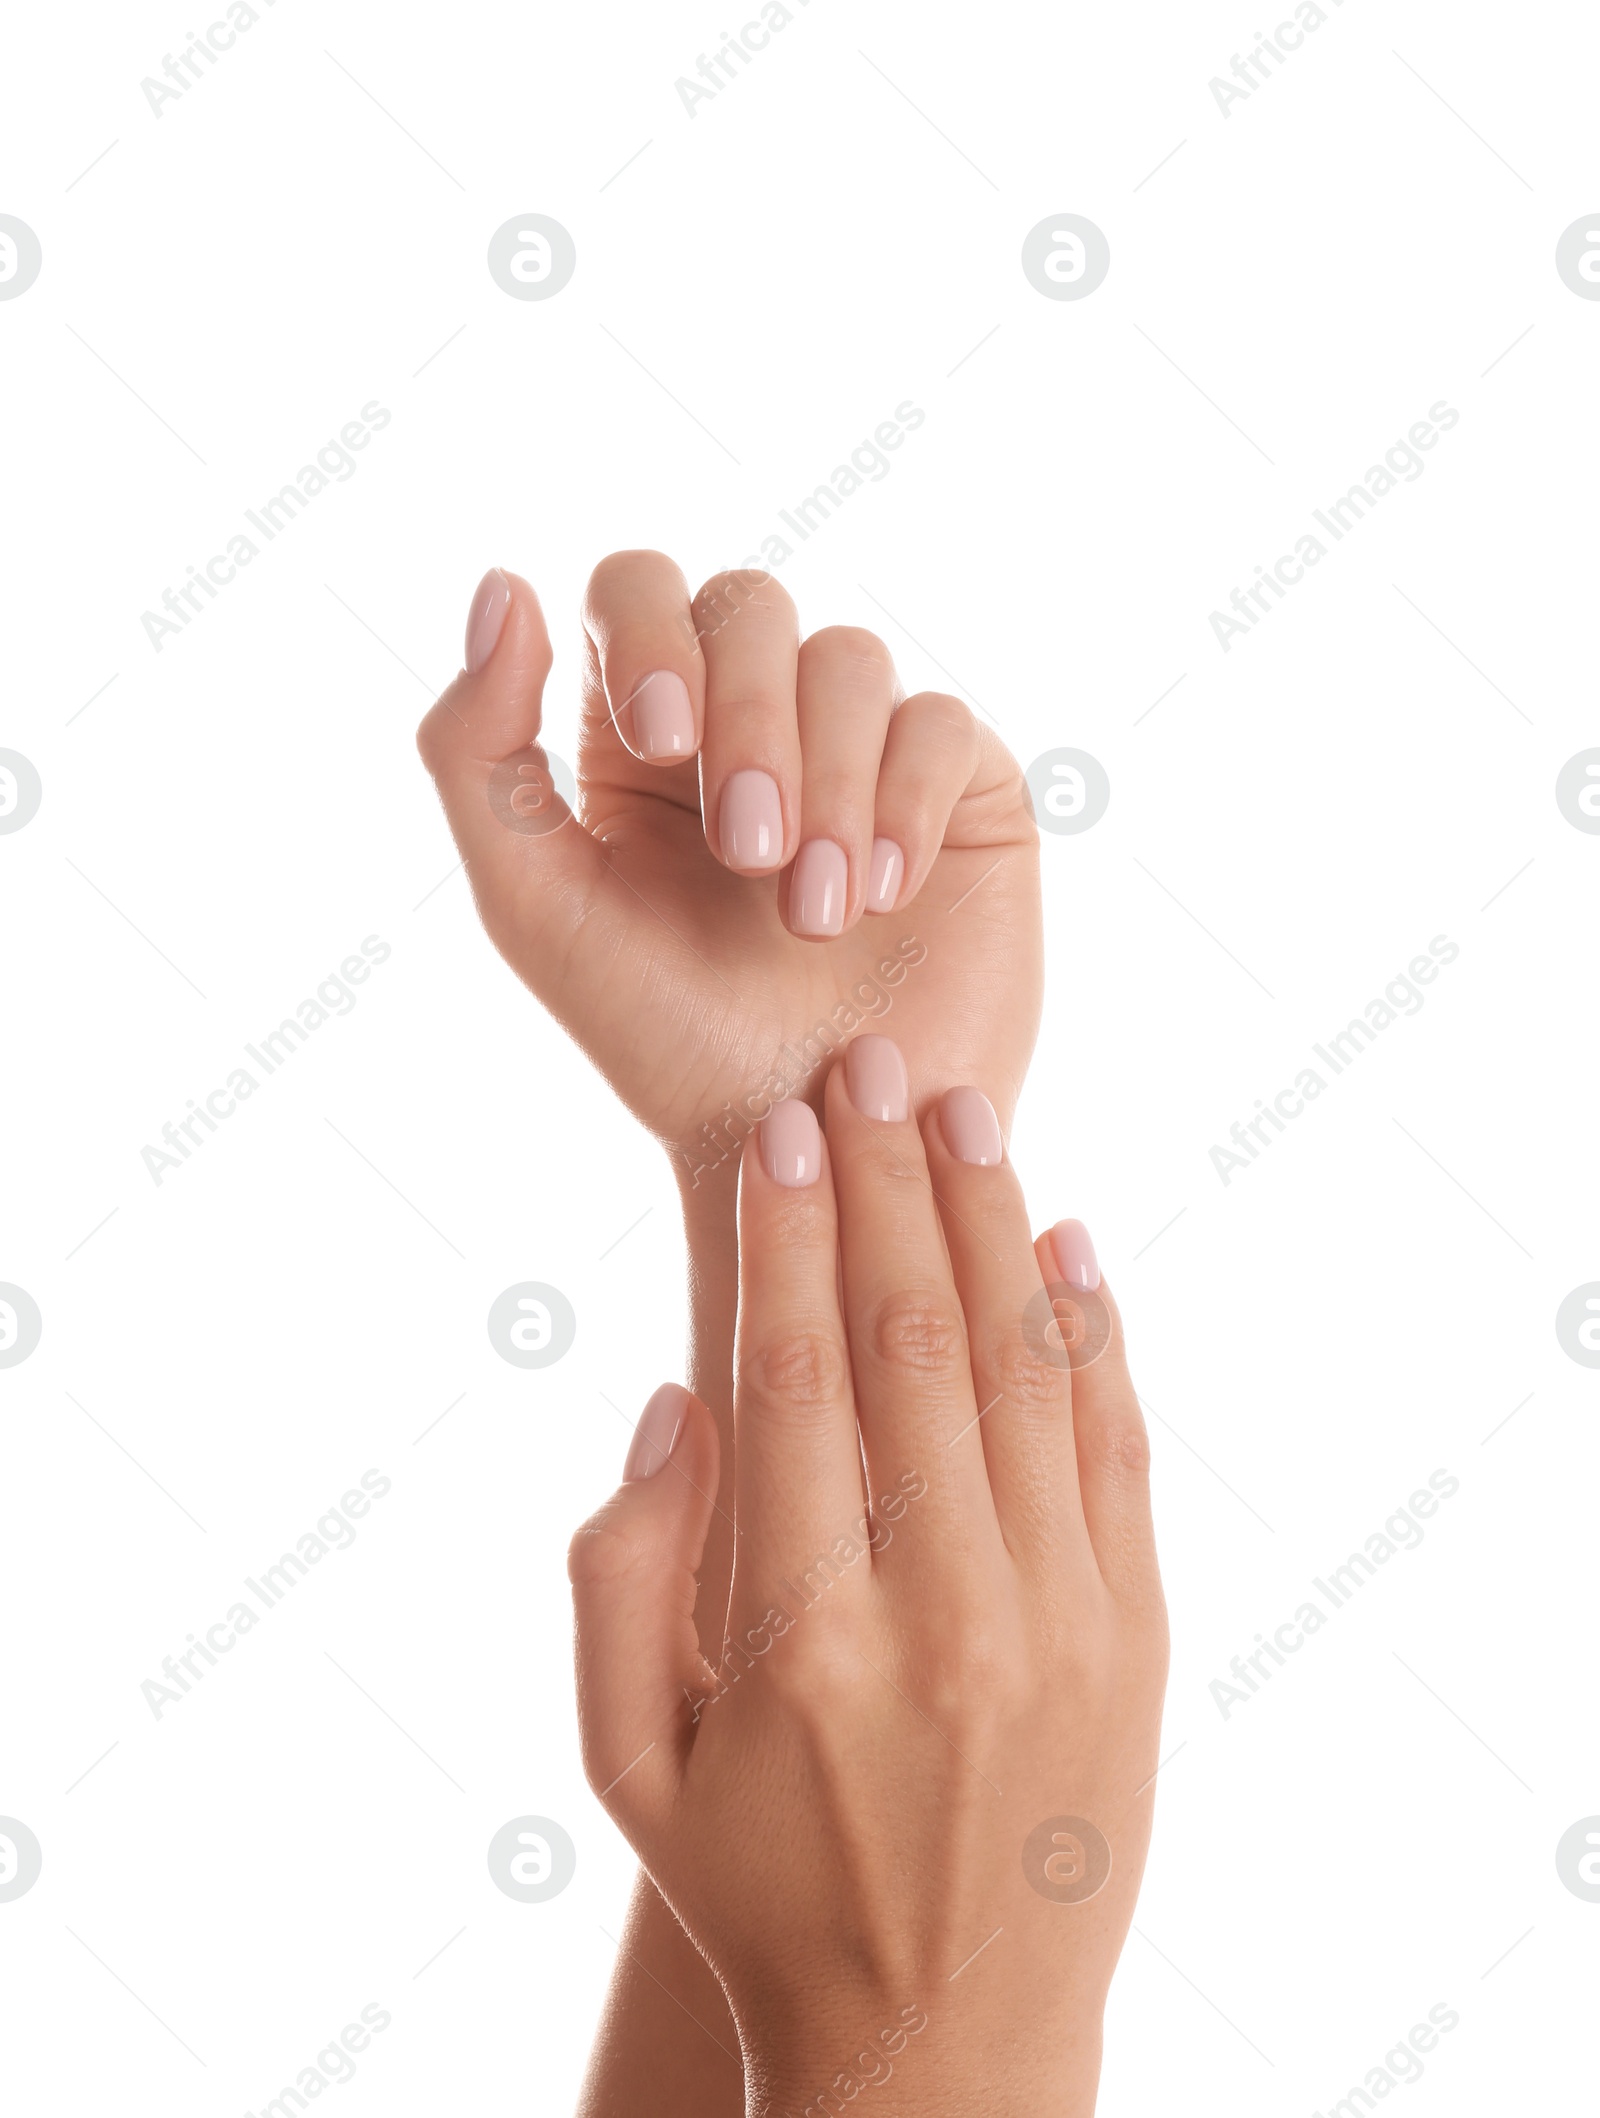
[(772, 847), (904, 1821), (666, 930)]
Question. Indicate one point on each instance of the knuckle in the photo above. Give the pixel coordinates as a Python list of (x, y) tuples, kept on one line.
[(1027, 1384), (918, 1332), (798, 1223), (1119, 1447), (434, 734), (799, 1371), (737, 580), (973, 1682), (1084, 1662), (619, 571), (428, 748), (599, 1554), (852, 644), (818, 1672), (940, 717), (721, 599)]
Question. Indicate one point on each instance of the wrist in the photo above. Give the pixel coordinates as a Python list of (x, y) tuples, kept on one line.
[(709, 1203), (937, 2061), (708, 1199)]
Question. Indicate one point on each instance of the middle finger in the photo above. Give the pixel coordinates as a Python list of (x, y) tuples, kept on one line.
[(750, 757), (908, 1340)]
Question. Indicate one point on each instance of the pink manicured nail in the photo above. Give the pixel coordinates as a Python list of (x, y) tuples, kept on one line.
[(791, 1145), (752, 821), (660, 1424), (971, 1129), (484, 620), (875, 1075), (1074, 1254), (887, 873), (663, 719), (818, 888)]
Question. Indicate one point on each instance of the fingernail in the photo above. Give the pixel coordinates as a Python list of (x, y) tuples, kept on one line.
[(818, 888), (752, 821), (875, 1075), (971, 1129), (791, 1145), (484, 620), (1075, 1258), (885, 875), (663, 719), (660, 1424)]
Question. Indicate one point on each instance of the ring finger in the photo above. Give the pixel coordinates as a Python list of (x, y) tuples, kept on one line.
[(1021, 1371)]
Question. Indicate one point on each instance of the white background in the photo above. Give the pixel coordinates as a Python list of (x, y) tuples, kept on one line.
[(1363, 237)]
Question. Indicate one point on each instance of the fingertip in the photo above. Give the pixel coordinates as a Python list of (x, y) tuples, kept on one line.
[(1075, 1273), (789, 1145), (660, 1426), (486, 616), (505, 609), (819, 891), (493, 706), (657, 720), (876, 1079), (750, 823), (970, 1127), (886, 876), (1072, 1249)]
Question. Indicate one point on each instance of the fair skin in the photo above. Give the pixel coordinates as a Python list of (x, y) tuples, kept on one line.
[(885, 1820), (679, 932)]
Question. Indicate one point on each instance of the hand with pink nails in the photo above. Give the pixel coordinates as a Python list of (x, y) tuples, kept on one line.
[(773, 846), (773, 849), (903, 1812)]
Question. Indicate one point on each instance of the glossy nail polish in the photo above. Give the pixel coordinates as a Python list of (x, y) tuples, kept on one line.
[(886, 874), (1074, 1255), (751, 821), (660, 1424), (791, 1145), (818, 887), (663, 718), (971, 1129), (875, 1075), (486, 617)]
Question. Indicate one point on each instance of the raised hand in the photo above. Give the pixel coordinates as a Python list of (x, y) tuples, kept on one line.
[(772, 846)]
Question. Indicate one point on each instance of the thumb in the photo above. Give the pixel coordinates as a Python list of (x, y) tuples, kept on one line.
[(632, 1567), (536, 874)]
